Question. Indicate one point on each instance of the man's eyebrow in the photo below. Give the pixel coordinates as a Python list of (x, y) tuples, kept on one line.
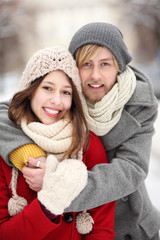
[(106, 59), (103, 59)]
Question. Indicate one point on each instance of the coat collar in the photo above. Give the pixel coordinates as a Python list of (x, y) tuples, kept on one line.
[(129, 124), (144, 93), (125, 128)]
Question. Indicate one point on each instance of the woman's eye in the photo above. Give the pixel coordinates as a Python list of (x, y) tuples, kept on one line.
[(67, 93), (47, 88)]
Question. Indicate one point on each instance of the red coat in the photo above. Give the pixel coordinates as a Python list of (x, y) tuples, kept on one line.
[(32, 223)]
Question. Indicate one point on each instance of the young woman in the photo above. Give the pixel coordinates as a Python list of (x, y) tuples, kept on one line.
[(48, 107)]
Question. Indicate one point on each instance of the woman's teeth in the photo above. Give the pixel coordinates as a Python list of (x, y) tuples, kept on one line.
[(51, 111)]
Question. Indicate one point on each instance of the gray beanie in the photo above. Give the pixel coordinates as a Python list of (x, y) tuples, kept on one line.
[(103, 34), (47, 60)]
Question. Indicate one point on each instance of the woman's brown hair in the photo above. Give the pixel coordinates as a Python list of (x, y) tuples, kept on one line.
[(19, 108)]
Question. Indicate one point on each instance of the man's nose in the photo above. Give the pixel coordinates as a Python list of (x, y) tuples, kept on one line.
[(95, 74)]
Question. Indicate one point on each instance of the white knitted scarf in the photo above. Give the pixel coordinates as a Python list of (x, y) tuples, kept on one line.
[(102, 116), (54, 138)]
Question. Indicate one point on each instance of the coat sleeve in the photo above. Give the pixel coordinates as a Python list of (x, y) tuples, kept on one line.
[(129, 162), (30, 220), (12, 137)]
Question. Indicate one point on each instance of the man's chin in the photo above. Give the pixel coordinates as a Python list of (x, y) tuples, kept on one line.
[(93, 99)]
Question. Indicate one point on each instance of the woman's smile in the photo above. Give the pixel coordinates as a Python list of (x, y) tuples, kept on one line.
[(51, 112)]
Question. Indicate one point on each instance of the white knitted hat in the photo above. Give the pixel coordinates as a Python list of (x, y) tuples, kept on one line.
[(47, 60)]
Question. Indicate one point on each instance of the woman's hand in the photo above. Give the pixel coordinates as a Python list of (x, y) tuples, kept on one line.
[(34, 172)]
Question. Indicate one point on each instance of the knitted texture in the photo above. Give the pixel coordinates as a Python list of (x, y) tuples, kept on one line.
[(19, 157), (47, 60), (84, 222), (103, 34), (54, 138), (102, 116), (16, 203), (62, 182)]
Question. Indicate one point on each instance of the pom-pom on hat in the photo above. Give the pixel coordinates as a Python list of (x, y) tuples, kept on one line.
[(103, 34), (47, 60)]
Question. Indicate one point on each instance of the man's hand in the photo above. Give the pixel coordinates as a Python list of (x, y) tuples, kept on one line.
[(33, 174)]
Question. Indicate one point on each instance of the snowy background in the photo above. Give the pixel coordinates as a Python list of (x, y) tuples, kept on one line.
[(26, 26), (153, 179)]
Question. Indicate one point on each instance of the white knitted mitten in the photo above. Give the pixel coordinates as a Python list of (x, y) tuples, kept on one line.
[(62, 185)]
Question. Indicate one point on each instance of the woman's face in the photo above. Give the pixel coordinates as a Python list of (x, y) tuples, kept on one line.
[(52, 99)]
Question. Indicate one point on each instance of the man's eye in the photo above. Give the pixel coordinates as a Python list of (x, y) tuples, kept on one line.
[(87, 64), (105, 64)]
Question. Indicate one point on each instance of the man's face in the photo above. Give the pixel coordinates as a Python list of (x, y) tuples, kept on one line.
[(98, 75)]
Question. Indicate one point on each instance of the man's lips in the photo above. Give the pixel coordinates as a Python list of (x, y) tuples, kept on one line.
[(95, 86)]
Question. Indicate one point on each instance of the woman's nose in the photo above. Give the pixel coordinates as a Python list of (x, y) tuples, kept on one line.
[(56, 98)]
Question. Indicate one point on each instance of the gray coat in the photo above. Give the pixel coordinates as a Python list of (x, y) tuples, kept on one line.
[(128, 147)]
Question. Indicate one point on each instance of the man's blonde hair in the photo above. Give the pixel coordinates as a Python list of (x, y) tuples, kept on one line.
[(87, 52)]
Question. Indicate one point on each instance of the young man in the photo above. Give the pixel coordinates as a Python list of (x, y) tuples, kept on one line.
[(121, 110)]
